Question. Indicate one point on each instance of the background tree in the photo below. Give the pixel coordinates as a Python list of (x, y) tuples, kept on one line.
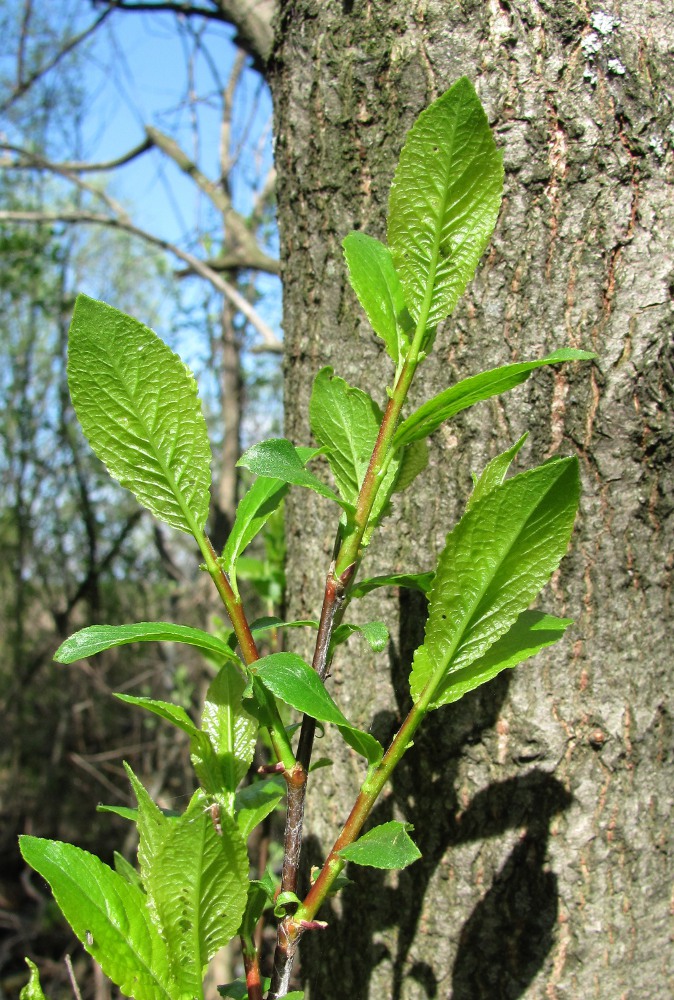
[(77, 548), (545, 869), (542, 804)]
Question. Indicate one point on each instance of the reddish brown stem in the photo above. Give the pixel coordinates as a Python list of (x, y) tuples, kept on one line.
[(251, 966)]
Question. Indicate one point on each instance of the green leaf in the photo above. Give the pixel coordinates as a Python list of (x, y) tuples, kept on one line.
[(532, 632), (231, 731), (495, 472), (444, 202), (238, 990), (495, 562), (260, 896), (470, 391), (255, 802), (32, 990), (286, 902), (127, 871), (278, 459), (386, 846), (108, 915), (293, 681), (252, 513), (153, 827), (175, 714), (414, 461), (345, 420), (198, 887), (139, 409), (412, 581), (377, 285), (123, 811), (96, 638), (375, 633), (271, 622)]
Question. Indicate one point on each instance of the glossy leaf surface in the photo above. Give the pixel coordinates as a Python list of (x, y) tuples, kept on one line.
[(474, 390), (495, 562), (345, 420), (139, 409), (375, 633), (532, 632), (412, 581), (386, 846), (197, 887), (494, 472), (376, 283), (298, 685), (254, 510), (444, 202), (97, 638), (255, 802), (32, 990), (231, 731), (277, 458), (108, 915)]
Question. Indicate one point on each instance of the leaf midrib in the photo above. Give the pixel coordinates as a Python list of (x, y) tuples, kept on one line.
[(106, 916), (437, 239), (441, 671), (177, 493)]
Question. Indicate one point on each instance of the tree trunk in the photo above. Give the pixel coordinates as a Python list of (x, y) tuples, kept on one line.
[(541, 803)]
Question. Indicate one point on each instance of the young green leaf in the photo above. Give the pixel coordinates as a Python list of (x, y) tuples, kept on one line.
[(198, 887), (175, 714), (127, 871), (444, 202), (123, 811), (495, 562), (345, 420), (255, 802), (238, 989), (277, 458), (494, 472), (138, 407), (386, 846), (413, 461), (97, 638), (412, 581), (153, 827), (532, 632), (375, 281), (260, 896), (375, 633), (231, 731), (293, 681), (253, 512), (108, 915), (474, 390), (33, 989)]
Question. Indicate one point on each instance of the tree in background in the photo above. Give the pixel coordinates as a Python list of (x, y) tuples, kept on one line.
[(545, 871), (76, 546)]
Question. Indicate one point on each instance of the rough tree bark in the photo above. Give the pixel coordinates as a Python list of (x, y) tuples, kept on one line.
[(542, 803)]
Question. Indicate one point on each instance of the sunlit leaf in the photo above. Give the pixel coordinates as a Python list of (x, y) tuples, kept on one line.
[(138, 407)]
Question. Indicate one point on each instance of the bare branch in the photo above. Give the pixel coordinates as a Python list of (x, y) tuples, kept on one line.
[(21, 56), (30, 161), (239, 237), (74, 166), (270, 340), (23, 85), (252, 19)]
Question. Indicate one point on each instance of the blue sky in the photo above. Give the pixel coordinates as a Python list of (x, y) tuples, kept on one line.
[(137, 75)]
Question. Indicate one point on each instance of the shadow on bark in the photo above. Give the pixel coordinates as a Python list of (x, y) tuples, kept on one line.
[(505, 940)]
